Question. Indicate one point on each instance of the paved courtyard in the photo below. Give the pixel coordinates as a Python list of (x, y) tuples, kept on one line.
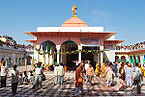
[(50, 90)]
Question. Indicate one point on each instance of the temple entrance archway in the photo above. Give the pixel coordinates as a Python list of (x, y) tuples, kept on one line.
[(68, 57), (89, 56), (47, 53)]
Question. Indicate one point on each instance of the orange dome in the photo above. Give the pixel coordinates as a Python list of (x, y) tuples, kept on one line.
[(74, 22)]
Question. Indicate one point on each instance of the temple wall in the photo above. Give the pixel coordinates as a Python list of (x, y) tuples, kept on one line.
[(13, 56), (112, 55), (109, 55)]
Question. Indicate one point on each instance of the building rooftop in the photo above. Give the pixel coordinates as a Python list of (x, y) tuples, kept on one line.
[(74, 22), (70, 29)]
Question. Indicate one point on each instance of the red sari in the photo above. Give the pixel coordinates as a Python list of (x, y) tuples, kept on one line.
[(79, 77)]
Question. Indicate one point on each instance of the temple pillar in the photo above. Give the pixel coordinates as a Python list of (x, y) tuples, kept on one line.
[(101, 48), (50, 57), (141, 59), (36, 54), (127, 58), (79, 48), (25, 64), (21, 61), (136, 58), (47, 59), (58, 49), (61, 56), (18, 61), (13, 59), (101, 55)]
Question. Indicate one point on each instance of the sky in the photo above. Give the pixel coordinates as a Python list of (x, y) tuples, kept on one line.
[(126, 17)]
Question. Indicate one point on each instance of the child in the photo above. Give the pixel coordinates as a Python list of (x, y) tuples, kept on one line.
[(21, 79), (25, 78), (31, 77)]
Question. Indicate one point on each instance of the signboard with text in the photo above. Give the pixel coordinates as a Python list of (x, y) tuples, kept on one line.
[(90, 42)]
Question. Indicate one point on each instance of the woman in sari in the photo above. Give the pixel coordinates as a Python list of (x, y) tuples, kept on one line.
[(79, 78), (97, 71), (103, 69)]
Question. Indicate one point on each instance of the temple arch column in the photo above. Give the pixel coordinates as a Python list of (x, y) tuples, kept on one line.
[(58, 50), (141, 59), (101, 48), (47, 58), (50, 57), (44, 59), (36, 54), (18, 61)]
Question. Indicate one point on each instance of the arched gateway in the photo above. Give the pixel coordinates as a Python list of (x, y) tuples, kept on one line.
[(74, 41)]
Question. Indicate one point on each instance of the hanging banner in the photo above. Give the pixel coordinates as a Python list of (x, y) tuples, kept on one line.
[(90, 42), (94, 52)]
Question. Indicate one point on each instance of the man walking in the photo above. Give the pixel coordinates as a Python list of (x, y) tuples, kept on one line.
[(3, 74), (38, 76), (115, 69), (60, 73), (86, 65), (55, 74), (128, 73), (90, 73), (14, 75), (136, 78)]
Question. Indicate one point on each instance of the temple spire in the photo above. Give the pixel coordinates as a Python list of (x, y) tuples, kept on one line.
[(74, 8)]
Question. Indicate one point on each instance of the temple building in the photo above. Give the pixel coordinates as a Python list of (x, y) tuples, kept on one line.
[(73, 41)]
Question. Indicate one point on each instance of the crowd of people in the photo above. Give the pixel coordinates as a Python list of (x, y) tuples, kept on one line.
[(21, 78), (128, 75), (122, 74)]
